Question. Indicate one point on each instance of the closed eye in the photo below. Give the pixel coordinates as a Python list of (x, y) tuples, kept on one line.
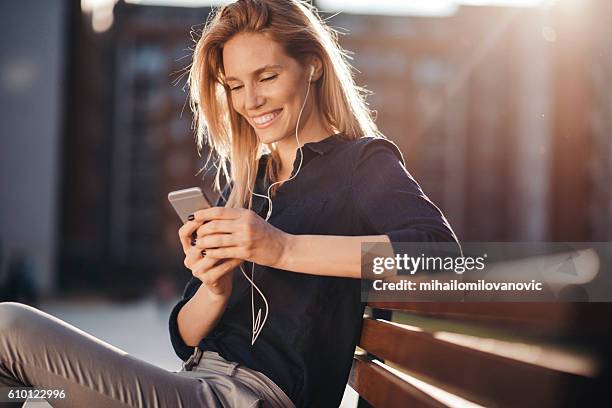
[(269, 78), (237, 87)]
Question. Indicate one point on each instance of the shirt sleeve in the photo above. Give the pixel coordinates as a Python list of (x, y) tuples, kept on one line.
[(182, 350), (389, 198)]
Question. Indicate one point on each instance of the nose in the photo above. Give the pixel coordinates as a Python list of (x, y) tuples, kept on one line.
[(254, 99)]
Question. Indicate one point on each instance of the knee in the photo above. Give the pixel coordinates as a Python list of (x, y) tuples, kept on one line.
[(14, 315)]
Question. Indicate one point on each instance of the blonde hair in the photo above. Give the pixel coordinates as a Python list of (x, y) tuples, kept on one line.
[(296, 26)]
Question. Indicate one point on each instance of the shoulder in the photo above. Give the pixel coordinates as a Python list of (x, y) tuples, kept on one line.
[(369, 148)]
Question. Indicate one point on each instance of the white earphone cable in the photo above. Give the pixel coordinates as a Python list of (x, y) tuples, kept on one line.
[(258, 324)]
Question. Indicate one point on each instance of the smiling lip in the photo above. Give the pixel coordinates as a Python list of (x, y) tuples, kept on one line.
[(268, 118)]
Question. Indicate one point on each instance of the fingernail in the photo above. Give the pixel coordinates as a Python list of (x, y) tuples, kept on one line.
[(191, 217), (194, 235), (203, 252), (193, 242)]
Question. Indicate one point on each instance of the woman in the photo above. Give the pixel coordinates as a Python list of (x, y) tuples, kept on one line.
[(309, 179)]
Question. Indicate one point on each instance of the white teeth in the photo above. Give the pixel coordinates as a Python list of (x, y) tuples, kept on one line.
[(262, 120)]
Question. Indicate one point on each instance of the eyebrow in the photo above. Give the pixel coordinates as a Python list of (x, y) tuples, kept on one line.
[(257, 71)]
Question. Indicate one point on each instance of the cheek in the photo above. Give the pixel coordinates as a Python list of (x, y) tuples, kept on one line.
[(238, 107), (236, 103), (284, 92), (289, 93)]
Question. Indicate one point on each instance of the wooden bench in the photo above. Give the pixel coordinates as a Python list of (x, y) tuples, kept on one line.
[(489, 354)]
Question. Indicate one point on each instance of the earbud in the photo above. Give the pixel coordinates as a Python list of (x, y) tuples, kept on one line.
[(311, 73)]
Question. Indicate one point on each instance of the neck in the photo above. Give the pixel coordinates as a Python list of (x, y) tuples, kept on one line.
[(312, 131)]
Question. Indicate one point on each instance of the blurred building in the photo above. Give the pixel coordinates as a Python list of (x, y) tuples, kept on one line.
[(153, 143), (582, 133), (135, 147), (32, 82), (503, 115), (599, 76), (451, 92)]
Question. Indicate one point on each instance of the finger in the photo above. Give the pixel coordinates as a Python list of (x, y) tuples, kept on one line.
[(187, 227), (191, 258), (217, 227), (227, 252), (210, 276), (214, 274), (198, 259), (217, 213), (199, 262), (216, 241), (186, 234)]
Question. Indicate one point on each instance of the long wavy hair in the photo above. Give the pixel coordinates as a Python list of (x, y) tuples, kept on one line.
[(296, 26)]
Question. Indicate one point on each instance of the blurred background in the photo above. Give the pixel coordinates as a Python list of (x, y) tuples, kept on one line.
[(502, 108)]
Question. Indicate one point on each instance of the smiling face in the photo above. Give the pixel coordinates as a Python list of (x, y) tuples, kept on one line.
[(267, 87)]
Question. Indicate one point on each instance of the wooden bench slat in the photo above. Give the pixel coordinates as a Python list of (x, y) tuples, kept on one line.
[(554, 319), (476, 375), (383, 389)]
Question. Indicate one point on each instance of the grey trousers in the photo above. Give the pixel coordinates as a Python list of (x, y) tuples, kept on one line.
[(41, 351)]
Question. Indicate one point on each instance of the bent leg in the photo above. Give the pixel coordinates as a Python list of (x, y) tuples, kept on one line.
[(42, 351)]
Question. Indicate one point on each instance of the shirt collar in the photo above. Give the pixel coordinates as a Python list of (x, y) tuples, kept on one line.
[(323, 146)]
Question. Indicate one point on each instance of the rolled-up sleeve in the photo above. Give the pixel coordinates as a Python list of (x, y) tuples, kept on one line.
[(182, 350), (389, 198)]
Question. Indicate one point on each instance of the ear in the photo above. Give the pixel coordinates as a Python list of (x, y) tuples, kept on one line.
[(317, 64)]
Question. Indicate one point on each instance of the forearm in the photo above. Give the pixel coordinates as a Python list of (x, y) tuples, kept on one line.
[(200, 315), (327, 255)]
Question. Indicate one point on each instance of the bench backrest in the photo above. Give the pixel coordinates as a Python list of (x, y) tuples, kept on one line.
[(490, 354)]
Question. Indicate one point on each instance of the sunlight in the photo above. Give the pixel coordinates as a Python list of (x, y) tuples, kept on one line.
[(102, 16), (439, 8)]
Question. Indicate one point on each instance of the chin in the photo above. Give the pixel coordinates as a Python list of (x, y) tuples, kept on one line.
[(269, 135)]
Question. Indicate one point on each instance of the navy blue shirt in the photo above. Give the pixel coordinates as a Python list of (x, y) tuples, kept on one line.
[(345, 187)]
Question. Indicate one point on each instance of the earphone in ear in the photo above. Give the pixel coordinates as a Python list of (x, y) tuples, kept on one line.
[(311, 73)]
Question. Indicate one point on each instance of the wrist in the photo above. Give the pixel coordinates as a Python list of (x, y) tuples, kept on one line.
[(288, 243), (216, 294), (218, 299)]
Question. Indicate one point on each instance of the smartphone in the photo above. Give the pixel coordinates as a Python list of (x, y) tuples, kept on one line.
[(188, 201)]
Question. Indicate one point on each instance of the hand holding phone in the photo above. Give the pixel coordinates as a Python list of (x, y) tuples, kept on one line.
[(188, 201), (212, 272)]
